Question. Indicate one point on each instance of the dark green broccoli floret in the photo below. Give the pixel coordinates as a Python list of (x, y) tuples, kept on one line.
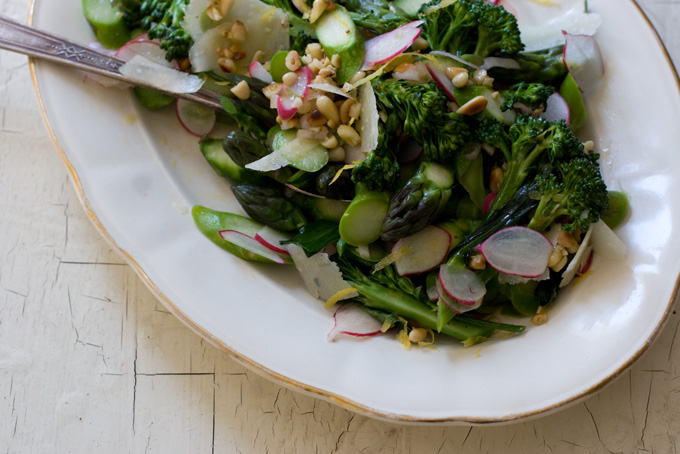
[(376, 16), (299, 42), (576, 190), (545, 66), (423, 110), (533, 95), (526, 145), (163, 21), (470, 27), (380, 170)]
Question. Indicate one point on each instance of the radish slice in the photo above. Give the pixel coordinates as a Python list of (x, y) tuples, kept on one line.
[(455, 57), (285, 104), (583, 60), (427, 249), (454, 305), (148, 49), (498, 62), (167, 79), (519, 251), (461, 285), (488, 201), (442, 80), (197, 119), (385, 47), (250, 244), (257, 71), (556, 109), (271, 239), (353, 321)]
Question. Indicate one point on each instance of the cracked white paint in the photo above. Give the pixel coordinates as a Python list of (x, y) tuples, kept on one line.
[(90, 362)]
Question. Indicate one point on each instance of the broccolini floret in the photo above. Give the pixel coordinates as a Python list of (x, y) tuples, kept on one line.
[(527, 144), (532, 95), (380, 170), (423, 110), (470, 27), (162, 19), (575, 190)]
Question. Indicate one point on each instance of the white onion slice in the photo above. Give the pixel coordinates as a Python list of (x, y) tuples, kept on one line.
[(499, 62), (332, 89), (455, 57)]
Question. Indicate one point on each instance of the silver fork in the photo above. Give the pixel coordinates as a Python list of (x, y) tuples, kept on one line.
[(30, 41)]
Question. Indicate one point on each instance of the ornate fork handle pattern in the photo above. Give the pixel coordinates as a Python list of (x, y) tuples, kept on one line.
[(30, 41)]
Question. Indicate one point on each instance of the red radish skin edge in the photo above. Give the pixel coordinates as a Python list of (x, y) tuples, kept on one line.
[(488, 201), (287, 95), (250, 244), (344, 314), (598, 59), (400, 39), (444, 82), (586, 266), (258, 71), (460, 300), (269, 245)]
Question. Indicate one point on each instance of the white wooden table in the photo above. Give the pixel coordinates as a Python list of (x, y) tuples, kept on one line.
[(91, 362)]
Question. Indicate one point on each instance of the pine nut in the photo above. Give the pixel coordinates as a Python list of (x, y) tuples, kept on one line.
[(539, 319), (241, 90), (290, 123), (271, 89), (259, 56), (557, 268), (330, 142), (238, 32), (495, 179), (477, 262), (293, 61), (460, 80), (556, 256), (567, 241), (478, 76), (337, 154), (289, 79), (473, 106), (588, 146), (420, 44), (316, 118), (403, 67), (318, 8), (214, 13), (357, 77), (344, 111), (328, 108), (349, 135), (314, 50), (225, 7), (453, 71), (227, 65), (355, 110), (417, 335), (335, 61)]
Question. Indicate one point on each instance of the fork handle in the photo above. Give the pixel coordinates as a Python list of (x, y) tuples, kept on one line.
[(17, 37)]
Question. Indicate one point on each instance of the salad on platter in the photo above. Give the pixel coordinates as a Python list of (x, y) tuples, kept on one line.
[(419, 162)]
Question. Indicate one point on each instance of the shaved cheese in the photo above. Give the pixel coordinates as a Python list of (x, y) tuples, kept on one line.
[(321, 276), (167, 79), (368, 122), (579, 259)]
